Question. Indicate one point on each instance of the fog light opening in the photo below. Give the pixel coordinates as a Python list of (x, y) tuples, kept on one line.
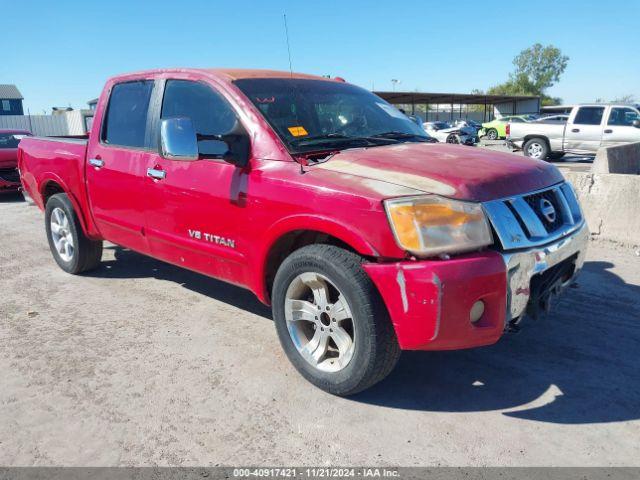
[(476, 312)]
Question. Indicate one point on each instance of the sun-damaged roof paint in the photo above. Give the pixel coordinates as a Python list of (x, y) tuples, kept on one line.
[(226, 74)]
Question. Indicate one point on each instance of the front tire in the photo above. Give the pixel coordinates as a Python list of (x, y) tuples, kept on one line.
[(331, 320), (72, 250), (536, 148)]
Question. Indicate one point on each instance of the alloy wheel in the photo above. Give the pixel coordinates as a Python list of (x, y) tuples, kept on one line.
[(535, 150), (61, 234), (320, 322)]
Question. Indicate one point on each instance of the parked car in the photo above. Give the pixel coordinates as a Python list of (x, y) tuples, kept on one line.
[(588, 128), (446, 133), (365, 238), (9, 177), (496, 129), (471, 125)]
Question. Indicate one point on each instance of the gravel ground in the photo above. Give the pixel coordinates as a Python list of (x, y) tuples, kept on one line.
[(140, 363)]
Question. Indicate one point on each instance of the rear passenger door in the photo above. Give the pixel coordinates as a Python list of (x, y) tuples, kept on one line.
[(116, 164), (583, 133), (619, 129), (197, 210)]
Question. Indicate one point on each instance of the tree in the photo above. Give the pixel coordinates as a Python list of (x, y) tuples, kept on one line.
[(537, 69), (624, 99), (542, 66)]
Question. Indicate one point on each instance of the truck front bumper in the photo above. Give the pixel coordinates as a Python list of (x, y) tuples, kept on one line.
[(9, 180), (430, 302)]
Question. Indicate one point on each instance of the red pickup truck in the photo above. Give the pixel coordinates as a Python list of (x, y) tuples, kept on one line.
[(325, 201), (9, 178)]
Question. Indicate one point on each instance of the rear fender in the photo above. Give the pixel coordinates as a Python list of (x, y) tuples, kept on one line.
[(87, 226)]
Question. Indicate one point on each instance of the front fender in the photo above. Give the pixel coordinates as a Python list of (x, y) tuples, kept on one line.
[(314, 223)]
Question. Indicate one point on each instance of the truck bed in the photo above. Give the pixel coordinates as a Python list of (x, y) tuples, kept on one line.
[(47, 163), (521, 132)]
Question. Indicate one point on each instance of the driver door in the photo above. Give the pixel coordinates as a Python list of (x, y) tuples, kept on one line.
[(196, 208)]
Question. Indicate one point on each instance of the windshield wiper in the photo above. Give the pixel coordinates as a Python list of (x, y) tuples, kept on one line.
[(395, 135), (320, 138), (340, 138)]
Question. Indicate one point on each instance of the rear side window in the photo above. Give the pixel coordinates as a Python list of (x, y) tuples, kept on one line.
[(126, 121), (209, 112), (623, 116), (589, 116)]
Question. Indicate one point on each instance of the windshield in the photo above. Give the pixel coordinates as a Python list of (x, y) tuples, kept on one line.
[(314, 114), (10, 140)]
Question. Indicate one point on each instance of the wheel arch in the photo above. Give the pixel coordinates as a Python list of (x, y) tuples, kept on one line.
[(53, 185), (531, 136), (291, 234)]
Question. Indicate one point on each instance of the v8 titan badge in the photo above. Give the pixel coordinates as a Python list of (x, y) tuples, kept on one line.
[(211, 238)]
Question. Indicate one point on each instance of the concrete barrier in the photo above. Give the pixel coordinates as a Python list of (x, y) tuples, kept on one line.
[(618, 159), (611, 204)]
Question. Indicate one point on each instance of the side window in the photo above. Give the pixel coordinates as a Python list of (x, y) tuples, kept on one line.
[(209, 112), (516, 120), (125, 123), (589, 116), (623, 116)]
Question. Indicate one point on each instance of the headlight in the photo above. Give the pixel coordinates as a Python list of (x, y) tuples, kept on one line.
[(430, 225)]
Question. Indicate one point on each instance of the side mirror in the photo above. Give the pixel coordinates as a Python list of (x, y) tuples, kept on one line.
[(239, 145), (178, 139), (636, 123)]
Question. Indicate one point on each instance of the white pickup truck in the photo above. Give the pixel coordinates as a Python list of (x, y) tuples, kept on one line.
[(588, 128)]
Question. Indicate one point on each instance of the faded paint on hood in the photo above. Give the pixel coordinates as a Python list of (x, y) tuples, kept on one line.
[(455, 171)]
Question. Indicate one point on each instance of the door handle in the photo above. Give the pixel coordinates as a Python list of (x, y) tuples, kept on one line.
[(575, 130), (96, 162), (608, 130), (156, 174)]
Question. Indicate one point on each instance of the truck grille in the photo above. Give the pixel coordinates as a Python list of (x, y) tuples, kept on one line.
[(536, 202), (535, 218), (10, 174)]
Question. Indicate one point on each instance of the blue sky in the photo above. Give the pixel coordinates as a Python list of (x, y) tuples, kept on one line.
[(60, 53)]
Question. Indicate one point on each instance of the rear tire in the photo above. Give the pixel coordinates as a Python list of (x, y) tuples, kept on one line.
[(72, 250), (323, 287), (492, 134), (537, 148)]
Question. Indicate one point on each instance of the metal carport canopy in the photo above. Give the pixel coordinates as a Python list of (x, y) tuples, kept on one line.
[(407, 98)]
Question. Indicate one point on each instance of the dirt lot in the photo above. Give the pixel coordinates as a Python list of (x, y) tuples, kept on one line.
[(141, 363)]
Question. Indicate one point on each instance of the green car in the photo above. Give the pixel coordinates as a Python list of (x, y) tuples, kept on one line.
[(496, 129)]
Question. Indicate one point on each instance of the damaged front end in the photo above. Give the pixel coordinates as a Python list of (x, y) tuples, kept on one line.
[(472, 299)]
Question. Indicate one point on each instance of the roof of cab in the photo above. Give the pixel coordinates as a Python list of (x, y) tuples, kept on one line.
[(242, 73), (230, 74)]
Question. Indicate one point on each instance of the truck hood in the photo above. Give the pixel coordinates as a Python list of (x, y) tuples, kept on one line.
[(454, 171)]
